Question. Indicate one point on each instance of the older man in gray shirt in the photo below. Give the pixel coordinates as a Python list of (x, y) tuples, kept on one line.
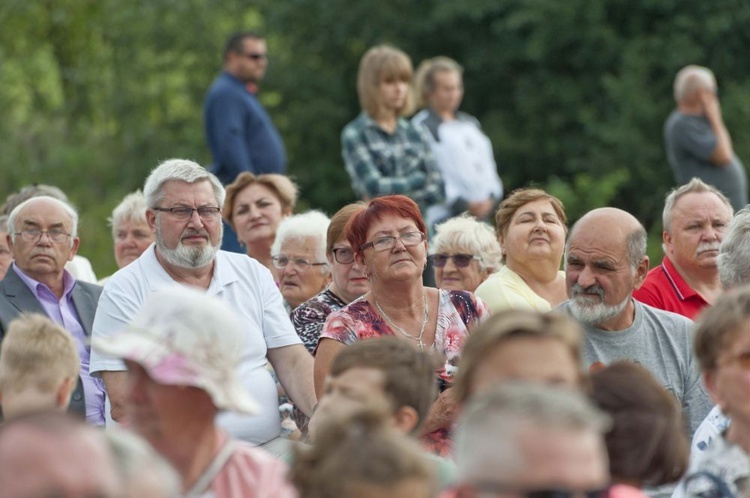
[(605, 262), (697, 141)]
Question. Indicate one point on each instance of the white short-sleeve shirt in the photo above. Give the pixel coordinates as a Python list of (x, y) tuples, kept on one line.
[(243, 283)]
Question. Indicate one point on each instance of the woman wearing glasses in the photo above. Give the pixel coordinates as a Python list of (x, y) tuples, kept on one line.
[(391, 247), (299, 257), (531, 226), (348, 281), (464, 253)]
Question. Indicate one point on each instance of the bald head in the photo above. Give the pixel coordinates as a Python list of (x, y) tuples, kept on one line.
[(605, 262), (616, 226)]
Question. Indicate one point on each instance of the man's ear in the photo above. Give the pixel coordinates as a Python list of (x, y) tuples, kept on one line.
[(74, 248), (151, 219), (666, 238), (640, 273), (709, 380), (406, 419), (64, 392)]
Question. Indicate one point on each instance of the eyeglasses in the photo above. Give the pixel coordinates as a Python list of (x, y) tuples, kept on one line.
[(301, 264), (501, 488), (185, 213), (255, 56), (385, 243), (34, 234), (460, 260), (343, 255)]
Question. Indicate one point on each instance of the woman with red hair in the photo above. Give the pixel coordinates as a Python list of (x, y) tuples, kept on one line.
[(390, 245)]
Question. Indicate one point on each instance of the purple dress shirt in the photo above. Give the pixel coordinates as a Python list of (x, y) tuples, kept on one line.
[(64, 313)]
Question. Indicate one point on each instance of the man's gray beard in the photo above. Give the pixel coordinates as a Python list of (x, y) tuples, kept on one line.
[(593, 314), (186, 256)]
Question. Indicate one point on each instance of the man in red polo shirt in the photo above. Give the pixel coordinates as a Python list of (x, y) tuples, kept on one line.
[(695, 218)]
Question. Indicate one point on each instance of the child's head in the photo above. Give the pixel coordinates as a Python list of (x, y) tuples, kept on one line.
[(39, 366), (383, 64), (381, 371), (362, 456)]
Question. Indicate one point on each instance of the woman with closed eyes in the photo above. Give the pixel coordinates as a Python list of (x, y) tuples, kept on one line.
[(254, 207), (389, 242), (531, 228)]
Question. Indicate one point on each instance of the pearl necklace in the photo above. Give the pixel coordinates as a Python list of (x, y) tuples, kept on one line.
[(418, 339)]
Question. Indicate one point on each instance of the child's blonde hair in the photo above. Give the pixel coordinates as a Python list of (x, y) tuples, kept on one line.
[(37, 354)]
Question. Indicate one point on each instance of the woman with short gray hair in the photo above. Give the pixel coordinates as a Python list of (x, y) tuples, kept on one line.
[(131, 233), (299, 255), (464, 253)]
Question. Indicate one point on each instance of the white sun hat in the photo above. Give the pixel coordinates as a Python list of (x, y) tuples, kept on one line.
[(184, 337)]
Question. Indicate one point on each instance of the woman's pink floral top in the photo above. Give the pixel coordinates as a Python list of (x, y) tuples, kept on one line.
[(458, 314)]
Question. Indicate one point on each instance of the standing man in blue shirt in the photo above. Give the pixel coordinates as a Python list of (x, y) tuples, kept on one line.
[(239, 131)]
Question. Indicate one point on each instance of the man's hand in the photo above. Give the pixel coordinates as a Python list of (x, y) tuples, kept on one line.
[(443, 412), (710, 103), (722, 154)]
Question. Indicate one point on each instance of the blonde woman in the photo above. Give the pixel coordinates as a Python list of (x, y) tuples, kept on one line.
[(383, 152)]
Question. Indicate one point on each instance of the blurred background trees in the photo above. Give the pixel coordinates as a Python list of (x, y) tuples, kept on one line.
[(94, 93)]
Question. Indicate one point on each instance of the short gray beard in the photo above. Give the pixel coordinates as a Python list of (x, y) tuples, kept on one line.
[(590, 313), (184, 256)]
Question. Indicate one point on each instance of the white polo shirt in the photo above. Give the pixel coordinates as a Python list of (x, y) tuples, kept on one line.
[(238, 280)]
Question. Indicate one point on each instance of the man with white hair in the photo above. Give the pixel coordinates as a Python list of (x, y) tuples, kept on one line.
[(521, 438), (695, 219), (697, 141), (605, 261), (43, 238), (183, 201)]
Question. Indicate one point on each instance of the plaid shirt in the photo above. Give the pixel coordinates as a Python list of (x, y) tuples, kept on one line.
[(380, 163)]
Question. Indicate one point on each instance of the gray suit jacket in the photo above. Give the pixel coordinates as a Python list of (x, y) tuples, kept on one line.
[(17, 298)]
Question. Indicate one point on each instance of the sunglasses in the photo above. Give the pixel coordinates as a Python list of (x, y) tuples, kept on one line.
[(256, 56), (460, 260)]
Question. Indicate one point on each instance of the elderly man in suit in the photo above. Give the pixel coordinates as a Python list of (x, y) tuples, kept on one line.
[(42, 237)]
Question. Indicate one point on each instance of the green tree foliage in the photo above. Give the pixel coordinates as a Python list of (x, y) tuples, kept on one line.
[(573, 94)]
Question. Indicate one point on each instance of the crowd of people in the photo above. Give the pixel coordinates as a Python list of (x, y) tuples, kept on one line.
[(411, 345)]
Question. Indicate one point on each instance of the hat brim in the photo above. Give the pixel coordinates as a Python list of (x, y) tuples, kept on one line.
[(136, 345)]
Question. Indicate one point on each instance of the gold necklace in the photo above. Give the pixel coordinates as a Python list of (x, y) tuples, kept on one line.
[(418, 339)]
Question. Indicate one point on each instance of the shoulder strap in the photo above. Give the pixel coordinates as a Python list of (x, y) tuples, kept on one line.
[(204, 481), (721, 488)]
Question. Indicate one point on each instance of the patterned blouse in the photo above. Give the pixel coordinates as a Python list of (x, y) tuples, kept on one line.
[(309, 317), (458, 313)]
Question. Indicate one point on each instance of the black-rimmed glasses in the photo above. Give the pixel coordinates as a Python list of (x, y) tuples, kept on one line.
[(301, 264), (343, 255), (185, 213), (389, 241), (460, 260)]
